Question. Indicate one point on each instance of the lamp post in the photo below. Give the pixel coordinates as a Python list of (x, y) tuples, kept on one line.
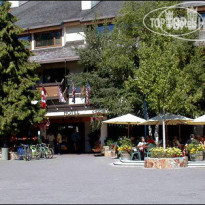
[(145, 117)]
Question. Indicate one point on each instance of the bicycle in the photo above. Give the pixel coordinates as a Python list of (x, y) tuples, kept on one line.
[(35, 152), (24, 152), (45, 151)]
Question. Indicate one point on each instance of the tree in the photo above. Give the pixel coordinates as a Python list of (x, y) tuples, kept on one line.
[(108, 82), (168, 73), (171, 71), (132, 65), (17, 80)]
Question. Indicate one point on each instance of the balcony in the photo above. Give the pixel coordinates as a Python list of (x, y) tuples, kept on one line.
[(52, 96)]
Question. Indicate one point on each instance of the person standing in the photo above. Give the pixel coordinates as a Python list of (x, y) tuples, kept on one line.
[(51, 139), (59, 142), (75, 138)]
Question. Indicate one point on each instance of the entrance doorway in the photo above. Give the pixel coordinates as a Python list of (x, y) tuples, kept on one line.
[(66, 130)]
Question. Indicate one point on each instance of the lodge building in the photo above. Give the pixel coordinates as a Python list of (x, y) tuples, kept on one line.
[(54, 30)]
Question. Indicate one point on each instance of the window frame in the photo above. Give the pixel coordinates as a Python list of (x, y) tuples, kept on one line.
[(54, 39)]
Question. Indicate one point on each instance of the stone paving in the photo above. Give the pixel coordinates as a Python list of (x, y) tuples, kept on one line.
[(86, 179)]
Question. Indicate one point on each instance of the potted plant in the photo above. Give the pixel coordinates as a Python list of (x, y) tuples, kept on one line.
[(171, 152), (124, 148), (196, 151)]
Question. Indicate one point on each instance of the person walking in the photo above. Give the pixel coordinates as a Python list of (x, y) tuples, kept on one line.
[(59, 142)]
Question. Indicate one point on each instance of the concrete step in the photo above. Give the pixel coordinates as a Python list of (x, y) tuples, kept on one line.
[(196, 164), (129, 163), (141, 163), (133, 161)]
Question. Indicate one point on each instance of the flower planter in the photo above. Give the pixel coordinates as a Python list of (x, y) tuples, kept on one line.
[(199, 156), (165, 163), (105, 150), (124, 155), (13, 155)]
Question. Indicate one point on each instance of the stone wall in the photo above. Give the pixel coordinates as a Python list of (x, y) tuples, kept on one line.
[(165, 163)]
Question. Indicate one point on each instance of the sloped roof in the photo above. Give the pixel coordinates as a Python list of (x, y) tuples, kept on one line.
[(56, 54), (36, 14)]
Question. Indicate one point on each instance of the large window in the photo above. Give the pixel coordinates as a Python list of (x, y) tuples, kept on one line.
[(203, 19), (48, 39), (103, 28), (52, 75)]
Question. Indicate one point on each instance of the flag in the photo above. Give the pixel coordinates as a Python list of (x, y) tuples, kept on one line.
[(149, 127), (82, 91), (43, 97), (88, 90), (60, 95), (73, 92)]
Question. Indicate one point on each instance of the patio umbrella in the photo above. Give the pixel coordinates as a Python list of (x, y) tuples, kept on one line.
[(168, 119), (128, 119), (198, 121)]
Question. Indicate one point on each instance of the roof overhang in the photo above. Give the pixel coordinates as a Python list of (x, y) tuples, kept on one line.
[(58, 60)]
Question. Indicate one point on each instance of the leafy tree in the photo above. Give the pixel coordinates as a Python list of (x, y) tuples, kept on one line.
[(171, 71), (133, 64), (17, 80), (108, 82)]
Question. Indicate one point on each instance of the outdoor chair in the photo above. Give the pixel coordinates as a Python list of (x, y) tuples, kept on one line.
[(135, 152), (147, 151)]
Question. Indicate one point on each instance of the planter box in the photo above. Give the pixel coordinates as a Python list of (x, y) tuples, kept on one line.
[(125, 155), (165, 163), (106, 150), (110, 153), (197, 157)]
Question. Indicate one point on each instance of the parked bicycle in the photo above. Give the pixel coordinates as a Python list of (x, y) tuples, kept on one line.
[(45, 151), (24, 152), (36, 154)]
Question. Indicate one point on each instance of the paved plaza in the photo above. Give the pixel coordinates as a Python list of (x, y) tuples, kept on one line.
[(92, 180)]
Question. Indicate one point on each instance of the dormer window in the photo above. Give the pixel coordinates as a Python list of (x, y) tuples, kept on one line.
[(48, 39), (93, 3), (85, 5)]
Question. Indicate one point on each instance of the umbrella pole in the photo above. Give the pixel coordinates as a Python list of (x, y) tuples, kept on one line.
[(179, 131), (128, 130), (164, 133)]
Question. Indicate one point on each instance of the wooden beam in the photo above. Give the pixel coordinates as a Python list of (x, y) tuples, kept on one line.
[(39, 30)]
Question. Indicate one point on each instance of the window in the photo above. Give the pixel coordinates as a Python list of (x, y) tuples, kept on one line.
[(93, 3), (52, 75), (109, 27), (48, 39), (203, 17)]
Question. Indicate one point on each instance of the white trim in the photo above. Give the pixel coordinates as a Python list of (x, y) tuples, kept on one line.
[(63, 36), (32, 42), (74, 113)]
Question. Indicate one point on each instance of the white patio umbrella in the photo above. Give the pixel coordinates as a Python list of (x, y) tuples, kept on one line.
[(168, 119), (128, 119), (198, 121)]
